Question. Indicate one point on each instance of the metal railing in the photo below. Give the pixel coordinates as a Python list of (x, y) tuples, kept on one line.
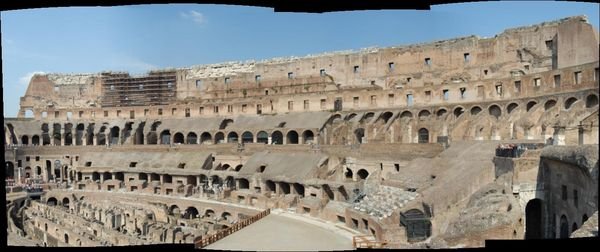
[(201, 242), (363, 241)]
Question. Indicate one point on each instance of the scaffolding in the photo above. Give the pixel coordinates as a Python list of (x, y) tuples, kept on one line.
[(123, 90)]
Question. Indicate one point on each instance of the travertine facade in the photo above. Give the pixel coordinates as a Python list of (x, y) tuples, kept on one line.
[(393, 142)]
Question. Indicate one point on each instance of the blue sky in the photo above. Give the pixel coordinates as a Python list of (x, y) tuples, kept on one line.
[(143, 37)]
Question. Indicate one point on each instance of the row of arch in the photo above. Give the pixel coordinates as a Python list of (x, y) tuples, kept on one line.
[(493, 110), (277, 137)]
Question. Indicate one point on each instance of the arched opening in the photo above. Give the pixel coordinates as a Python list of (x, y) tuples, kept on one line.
[(292, 137), (192, 138), (28, 172), (334, 118), (24, 140), (114, 135), (209, 213), (424, 114), (591, 101), (101, 137), (120, 176), (360, 134), (495, 111), (79, 131), (247, 137), (65, 202), (238, 167), (270, 185), (530, 105), (154, 177), (35, 140), (139, 134), (564, 227), (569, 102), (232, 137), (216, 180), (308, 137), (9, 170), (165, 137), (219, 138), (441, 112), (95, 176), (174, 210), (458, 111), (533, 219), (418, 225), (328, 191), (52, 201), (549, 104), (45, 134), (277, 137), (285, 187), (475, 110), (66, 238), (226, 216), (584, 219), (348, 173), (262, 137), (106, 176), (423, 135), (224, 167), (90, 134), (406, 114), (167, 179), (144, 177), (299, 189), (38, 170), (386, 117), (68, 134), (350, 116), (178, 138), (225, 123), (367, 117), (574, 227), (191, 213), (362, 174), (205, 138), (56, 134), (152, 138), (511, 107), (243, 183)]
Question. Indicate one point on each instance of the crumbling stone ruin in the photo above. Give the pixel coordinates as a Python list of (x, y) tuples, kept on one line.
[(443, 144)]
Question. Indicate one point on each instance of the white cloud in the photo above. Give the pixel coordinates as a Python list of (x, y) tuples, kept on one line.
[(195, 16), (25, 79)]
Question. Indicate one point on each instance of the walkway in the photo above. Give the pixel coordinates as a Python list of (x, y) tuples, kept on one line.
[(285, 232)]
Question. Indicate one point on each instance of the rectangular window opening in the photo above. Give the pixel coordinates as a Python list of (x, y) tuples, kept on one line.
[(467, 57), (446, 94)]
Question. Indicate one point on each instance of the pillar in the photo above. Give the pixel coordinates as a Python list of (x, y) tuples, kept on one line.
[(84, 139), (162, 178), (269, 140), (95, 139), (300, 139), (559, 135), (62, 138)]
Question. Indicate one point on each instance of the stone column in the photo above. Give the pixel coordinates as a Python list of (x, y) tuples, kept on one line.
[(559, 135), (62, 138), (95, 139), (255, 138), (162, 178), (300, 139), (84, 139), (269, 140)]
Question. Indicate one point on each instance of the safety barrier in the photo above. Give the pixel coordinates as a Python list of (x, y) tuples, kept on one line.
[(363, 241), (201, 242)]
